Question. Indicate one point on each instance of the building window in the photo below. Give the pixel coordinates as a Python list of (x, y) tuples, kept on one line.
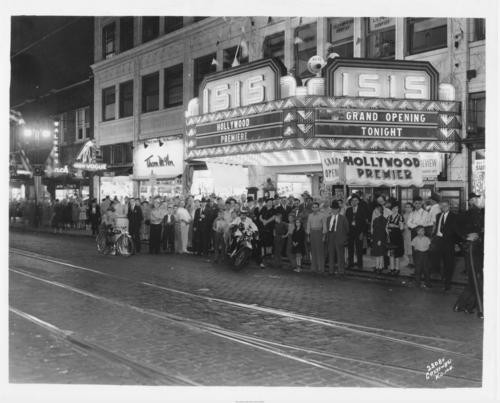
[(150, 28), (150, 92), (340, 36), (305, 48), (108, 40), (232, 54), (108, 103), (173, 86), (126, 33), (476, 114), (126, 99), (478, 29), (274, 46), (202, 66), (83, 123), (426, 34), (173, 24), (381, 38)]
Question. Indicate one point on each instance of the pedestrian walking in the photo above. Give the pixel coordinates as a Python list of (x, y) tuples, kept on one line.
[(316, 236), (421, 244), (337, 235)]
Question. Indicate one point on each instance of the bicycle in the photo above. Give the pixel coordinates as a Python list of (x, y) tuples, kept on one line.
[(115, 242)]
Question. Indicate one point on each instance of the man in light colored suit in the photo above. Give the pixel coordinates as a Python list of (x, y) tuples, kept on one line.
[(337, 235)]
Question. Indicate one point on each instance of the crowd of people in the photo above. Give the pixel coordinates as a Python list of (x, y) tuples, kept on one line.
[(328, 235)]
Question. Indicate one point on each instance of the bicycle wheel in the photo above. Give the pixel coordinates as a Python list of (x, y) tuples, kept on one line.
[(102, 247), (125, 245)]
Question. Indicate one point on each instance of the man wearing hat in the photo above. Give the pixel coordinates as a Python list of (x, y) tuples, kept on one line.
[(337, 233), (472, 229), (357, 218), (201, 228)]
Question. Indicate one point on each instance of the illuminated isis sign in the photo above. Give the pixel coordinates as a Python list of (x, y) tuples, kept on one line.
[(244, 85)]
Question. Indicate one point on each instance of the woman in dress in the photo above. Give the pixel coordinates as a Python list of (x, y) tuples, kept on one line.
[(407, 235), (267, 220), (395, 227), (379, 241)]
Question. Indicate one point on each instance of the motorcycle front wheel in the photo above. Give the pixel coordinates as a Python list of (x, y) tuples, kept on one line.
[(125, 246), (101, 242), (241, 259)]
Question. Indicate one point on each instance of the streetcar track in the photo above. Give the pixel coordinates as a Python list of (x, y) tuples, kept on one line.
[(153, 375), (351, 327), (255, 342)]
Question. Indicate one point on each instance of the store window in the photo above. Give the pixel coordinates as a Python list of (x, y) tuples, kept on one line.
[(83, 123), (305, 48), (478, 29), (476, 114), (108, 40), (274, 46), (108, 103), (426, 34), (340, 36), (231, 54), (381, 37), (150, 28), (126, 33), (202, 66), (173, 86), (150, 92), (173, 24), (126, 99)]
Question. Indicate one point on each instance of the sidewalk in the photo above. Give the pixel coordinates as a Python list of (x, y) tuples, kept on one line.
[(406, 273)]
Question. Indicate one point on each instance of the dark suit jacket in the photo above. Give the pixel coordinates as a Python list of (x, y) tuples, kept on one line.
[(360, 219), (450, 228), (134, 218), (342, 229)]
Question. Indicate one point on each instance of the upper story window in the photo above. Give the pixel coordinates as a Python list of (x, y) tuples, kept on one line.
[(173, 24), (381, 37), (150, 28), (126, 99), (340, 36), (305, 48), (108, 40), (274, 46), (150, 92), (202, 66), (478, 29), (426, 34), (476, 109), (126, 33), (233, 54), (173, 86), (83, 123), (108, 103)]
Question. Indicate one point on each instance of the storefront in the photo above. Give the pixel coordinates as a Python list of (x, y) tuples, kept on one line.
[(383, 118), (158, 167)]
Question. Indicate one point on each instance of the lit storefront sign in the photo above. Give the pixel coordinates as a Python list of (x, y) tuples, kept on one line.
[(157, 161), (87, 158), (369, 105)]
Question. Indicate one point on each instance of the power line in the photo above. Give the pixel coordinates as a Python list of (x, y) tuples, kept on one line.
[(45, 37)]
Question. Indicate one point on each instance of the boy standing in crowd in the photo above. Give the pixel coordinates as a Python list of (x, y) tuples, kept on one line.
[(421, 245)]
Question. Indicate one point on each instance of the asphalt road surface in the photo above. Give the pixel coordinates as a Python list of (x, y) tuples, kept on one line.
[(82, 318)]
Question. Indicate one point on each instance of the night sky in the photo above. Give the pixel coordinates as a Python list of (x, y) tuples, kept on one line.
[(63, 58)]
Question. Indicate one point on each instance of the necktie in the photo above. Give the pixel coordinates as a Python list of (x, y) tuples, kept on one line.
[(334, 224), (441, 223)]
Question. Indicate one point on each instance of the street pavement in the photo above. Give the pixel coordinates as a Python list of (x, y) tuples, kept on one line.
[(170, 319)]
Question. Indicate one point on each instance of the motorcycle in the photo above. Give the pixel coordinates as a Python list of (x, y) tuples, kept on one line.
[(242, 249)]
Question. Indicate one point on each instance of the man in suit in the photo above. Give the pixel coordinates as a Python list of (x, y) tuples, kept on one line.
[(201, 228), (168, 237), (445, 235), (135, 218), (337, 234), (358, 225)]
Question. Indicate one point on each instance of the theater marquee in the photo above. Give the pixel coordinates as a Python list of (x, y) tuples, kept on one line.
[(369, 105)]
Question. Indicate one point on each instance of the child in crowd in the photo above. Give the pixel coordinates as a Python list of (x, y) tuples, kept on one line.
[(279, 235), (298, 244), (421, 245)]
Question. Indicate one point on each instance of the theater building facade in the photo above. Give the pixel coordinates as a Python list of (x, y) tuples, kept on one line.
[(400, 89)]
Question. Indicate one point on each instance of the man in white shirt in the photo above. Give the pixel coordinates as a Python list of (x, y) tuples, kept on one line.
[(419, 217), (245, 220), (435, 208)]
